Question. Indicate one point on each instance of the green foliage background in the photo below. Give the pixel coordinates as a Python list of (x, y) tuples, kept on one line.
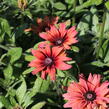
[(19, 89)]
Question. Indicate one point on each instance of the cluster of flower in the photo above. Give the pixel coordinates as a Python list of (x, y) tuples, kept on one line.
[(51, 55)]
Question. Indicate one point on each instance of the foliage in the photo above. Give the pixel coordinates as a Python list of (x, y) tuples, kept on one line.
[(18, 87)]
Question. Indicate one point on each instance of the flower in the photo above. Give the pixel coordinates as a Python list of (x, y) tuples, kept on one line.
[(48, 60), (61, 36), (43, 24), (87, 94), (22, 4), (43, 45)]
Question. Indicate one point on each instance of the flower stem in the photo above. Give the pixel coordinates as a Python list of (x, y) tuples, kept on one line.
[(101, 34)]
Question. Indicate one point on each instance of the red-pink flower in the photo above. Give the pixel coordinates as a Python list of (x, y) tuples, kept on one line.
[(48, 60), (43, 45), (88, 94), (43, 24), (61, 36)]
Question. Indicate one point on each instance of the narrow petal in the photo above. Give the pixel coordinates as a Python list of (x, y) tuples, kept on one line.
[(62, 29), (43, 75), (54, 31), (63, 58), (43, 36), (38, 54), (62, 66), (56, 51), (35, 71), (52, 73)]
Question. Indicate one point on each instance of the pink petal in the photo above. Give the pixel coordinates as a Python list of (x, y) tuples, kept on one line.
[(63, 58), (62, 66), (56, 51), (66, 46), (43, 75), (35, 71), (68, 105), (62, 29), (48, 51), (54, 31), (43, 36), (38, 54), (52, 73)]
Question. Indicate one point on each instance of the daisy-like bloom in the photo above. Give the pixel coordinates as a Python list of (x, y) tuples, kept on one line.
[(43, 24), (88, 94), (61, 36), (48, 60)]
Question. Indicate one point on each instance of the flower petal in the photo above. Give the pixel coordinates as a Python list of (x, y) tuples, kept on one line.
[(35, 71), (62, 66), (38, 54)]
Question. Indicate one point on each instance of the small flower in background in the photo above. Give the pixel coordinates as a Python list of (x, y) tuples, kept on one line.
[(43, 45), (22, 4), (43, 24), (48, 60), (88, 94), (61, 36)]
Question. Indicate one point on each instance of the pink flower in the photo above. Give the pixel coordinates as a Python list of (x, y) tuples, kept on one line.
[(61, 36), (43, 24), (48, 60), (43, 45), (88, 94)]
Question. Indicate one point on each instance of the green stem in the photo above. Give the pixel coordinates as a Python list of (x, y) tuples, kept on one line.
[(101, 34), (3, 47)]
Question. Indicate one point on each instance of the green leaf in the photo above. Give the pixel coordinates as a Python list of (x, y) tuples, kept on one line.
[(28, 70), (59, 6), (14, 54), (96, 2), (60, 73), (5, 102), (84, 23), (98, 63), (29, 57), (69, 1), (71, 62), (8, 72), (106, 29), (1, 105), (27, 100), (45, 86), (20, 92), (5, 26), (37, 86), (12, 100), (107, 5), (39, 105), (40, 85), (75, 49), (28, 14)]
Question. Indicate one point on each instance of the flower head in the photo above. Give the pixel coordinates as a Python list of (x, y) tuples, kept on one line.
[(48, 60), (88, 94), (43, 24), (22, 4), (43, 45), (61, 36)]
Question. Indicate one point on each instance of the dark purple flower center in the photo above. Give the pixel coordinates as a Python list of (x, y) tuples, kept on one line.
[(90, 96), (48, 61), (59, 42)]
